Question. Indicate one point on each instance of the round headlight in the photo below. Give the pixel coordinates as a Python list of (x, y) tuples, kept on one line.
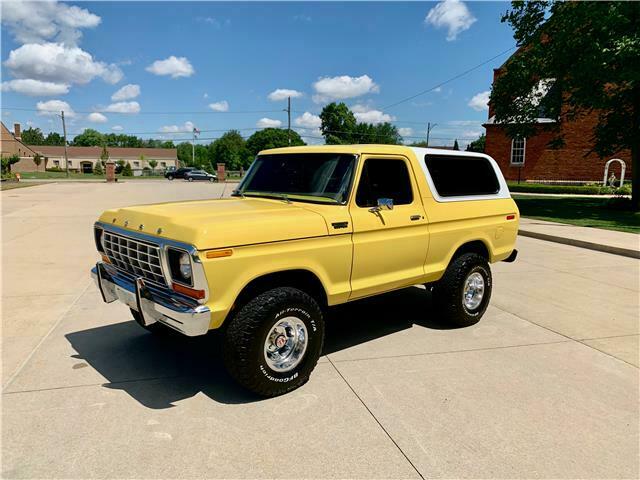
[(185, 266)]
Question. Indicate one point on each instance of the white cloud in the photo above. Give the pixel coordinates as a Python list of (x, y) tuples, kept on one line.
[(38, 22), (367, 115), (206, 95), (452, 15), (55, 62), (187, 127), (268, 123), (54, 107), (174, 66), (117, 128), (308, 120), (222, 106), (96, 117), (35, 88), (123, 107), (338, 88), (405, 131), (480, 101), (126, 93), (283, 93)]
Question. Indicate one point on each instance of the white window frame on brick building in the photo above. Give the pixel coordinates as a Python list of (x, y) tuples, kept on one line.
[(518, 151)]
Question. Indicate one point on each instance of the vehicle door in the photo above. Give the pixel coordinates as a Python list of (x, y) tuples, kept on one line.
[(390, 232)]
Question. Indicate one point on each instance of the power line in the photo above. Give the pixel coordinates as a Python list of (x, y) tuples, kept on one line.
[(466, 72), (198, 112)]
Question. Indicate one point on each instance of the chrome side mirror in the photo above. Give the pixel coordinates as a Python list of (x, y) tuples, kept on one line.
[(383, 204)]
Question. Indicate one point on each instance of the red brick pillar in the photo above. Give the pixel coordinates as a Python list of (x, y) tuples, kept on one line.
[(221, 172), (111, 171)]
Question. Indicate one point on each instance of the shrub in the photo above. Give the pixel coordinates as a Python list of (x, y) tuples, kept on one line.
[(54, 169), (97, 168), (126, 170), (576, 189)]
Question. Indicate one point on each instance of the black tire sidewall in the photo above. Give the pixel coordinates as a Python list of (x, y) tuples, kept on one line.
[(247, 332)]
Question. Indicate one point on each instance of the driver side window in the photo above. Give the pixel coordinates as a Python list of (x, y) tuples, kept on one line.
[(384, 178)]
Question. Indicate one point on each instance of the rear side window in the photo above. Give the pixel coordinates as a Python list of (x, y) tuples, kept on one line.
[(462, 176), (384, 178)]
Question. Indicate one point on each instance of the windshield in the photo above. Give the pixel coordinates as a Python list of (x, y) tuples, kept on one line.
[(310, 177)]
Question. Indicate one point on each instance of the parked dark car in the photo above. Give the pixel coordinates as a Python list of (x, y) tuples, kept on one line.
[(179, 173), (200, 175)]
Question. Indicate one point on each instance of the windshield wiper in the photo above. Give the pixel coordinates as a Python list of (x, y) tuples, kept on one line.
[(237, 193)]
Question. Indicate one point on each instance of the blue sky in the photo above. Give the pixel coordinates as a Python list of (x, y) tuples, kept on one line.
[(214, 59)]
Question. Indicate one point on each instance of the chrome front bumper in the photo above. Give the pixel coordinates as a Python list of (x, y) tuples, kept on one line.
[(154, 304)]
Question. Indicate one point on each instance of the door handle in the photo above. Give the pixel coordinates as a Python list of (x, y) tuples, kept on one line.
[(415, 217)]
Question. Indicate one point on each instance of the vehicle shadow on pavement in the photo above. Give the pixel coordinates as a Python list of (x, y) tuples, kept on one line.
[(159, 370)]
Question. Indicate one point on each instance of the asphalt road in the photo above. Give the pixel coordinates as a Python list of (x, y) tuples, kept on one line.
[(545, 386)]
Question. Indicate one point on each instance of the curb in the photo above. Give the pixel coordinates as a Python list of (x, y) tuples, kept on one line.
[(624, 252)]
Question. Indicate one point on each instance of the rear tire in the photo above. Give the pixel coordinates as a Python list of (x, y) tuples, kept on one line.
[(462, 295), (273, 342)]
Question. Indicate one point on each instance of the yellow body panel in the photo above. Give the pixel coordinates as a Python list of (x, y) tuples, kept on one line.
[(353, 252)]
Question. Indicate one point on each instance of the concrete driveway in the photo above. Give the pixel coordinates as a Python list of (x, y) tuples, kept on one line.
[(546, 385)]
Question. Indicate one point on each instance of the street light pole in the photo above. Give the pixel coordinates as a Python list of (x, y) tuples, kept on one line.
[(288, 110), (64, 131), (429, 128)]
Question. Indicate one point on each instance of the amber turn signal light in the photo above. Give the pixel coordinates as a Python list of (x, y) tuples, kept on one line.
[(227, 252), (189, 292), (105, 259)]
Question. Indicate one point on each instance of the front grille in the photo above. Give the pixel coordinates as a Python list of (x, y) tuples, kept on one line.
[(141, 259)]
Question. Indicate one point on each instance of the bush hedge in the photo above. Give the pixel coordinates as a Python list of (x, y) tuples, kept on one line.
[(570, 189)]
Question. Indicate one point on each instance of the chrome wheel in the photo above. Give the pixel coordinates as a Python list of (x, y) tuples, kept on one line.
[(473, 291), (286, 344)]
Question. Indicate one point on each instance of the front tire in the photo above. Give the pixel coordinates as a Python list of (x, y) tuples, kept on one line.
[(462, 295), (170, 177), (273, 342), (190, 179)]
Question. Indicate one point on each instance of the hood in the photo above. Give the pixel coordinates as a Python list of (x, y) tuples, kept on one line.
[(220, 223)]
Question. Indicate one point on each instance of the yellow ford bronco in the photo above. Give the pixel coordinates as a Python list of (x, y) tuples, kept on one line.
[(308, 228)]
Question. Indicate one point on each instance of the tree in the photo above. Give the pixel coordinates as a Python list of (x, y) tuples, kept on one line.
[(478, 144), (230, 149), (576, 58), (104, 156), (37, 159), (455, 145), (338, 124), (97, 168), (127, 171), (271, 138), (32, 136), (153, 164), (54, 138), (89, 138), (8, 161)]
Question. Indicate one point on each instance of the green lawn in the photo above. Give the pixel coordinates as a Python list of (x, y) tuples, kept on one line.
[(584, 212), (13, 185)]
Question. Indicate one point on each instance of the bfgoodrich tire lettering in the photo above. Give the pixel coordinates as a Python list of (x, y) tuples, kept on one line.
[(245, 336), (448, 292)]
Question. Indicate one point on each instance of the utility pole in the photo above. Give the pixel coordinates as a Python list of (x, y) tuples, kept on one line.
[(288, 110), (193, 148), (64, 131), (429, 128)]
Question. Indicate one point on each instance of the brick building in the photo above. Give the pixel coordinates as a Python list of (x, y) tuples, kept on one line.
[(81, 159), (532, 158)]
